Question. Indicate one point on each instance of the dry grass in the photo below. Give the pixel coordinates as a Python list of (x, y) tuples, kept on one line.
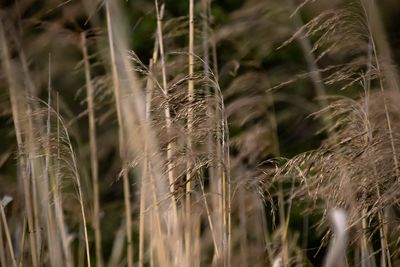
[(180, 161)]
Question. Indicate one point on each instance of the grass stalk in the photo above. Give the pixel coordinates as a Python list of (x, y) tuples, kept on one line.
[(385, 259), (74, 166), (3, 260), (216, 169), (229, 206), (190, 93), (58, 206), (382, 47), (117, 250), (158, 237), (144, 181), (209, 219), (283, 222), (222, 183), (142, 210), (17, 108), (32, 161), (53, 241), (225, 185), (122, 143), (173, 137), (244, 249), (8, 235), (22, 244), (382, 231), (306, 47), (93, 152), (206, 71), (167, 113), (389, 76)]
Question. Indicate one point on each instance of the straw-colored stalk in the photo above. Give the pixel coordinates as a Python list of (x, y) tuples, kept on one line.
[(190, 93), (77, 177), (18, 108), (122, 143), (59, 213), (160, 41), (385, 253), (93, 152), (45, 200), (144, 181), (168, 121), (2, 252), (8, 234), (382, 57), (212, 216)]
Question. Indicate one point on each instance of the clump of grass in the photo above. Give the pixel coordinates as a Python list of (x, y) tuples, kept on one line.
[(181, 154)]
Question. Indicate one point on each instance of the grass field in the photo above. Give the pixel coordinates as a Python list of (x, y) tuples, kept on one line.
[(199, 133)]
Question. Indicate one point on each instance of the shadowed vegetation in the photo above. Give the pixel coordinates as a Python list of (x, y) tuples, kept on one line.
[(199, 133)]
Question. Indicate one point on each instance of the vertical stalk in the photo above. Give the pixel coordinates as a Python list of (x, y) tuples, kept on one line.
[(283, 223), (190, 92), (22, 244), (244, 251), (382, 55), (382, 48), (142, 207), (223, 174), (53, 241), (8, 235), (93, 152), (168, 121), (34, 183), (122, 142), (225, 184), (151, 240), (16, 103), (2, 252), (314, 72), (80, 193), (143, 191), (216, 145), (209, 218), (229, 203), (381, 85), (382, 233), (58, 199), (206, 71), (306, 47), (161, 253)]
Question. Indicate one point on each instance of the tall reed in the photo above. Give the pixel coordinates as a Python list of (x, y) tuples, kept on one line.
[(229, 126)]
